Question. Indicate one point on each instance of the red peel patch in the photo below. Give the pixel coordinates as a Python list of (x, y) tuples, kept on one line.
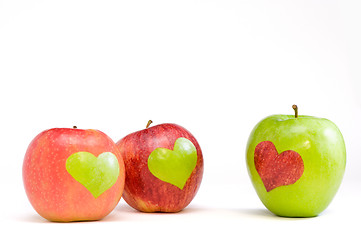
[(276, 169)]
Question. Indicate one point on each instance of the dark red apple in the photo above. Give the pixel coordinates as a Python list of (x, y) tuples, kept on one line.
[(164, 168), (73, 174)]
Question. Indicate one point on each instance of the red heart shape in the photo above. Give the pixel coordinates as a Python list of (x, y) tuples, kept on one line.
[(276, 169)]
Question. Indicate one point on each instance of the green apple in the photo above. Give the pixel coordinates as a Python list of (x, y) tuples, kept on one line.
[(296, 163)]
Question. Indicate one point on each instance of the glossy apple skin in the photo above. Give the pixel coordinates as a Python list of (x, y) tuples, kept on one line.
[(143, 191), (52, 191), (322, 148)]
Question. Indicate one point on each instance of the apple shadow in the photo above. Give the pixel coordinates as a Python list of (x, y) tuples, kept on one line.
[(193, 209), (112, 217), (256, 212), (124, 208), (124, 211), (264, 213), (35, 218), (32, 218)]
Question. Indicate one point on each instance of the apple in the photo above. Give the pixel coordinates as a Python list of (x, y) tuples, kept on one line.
[(296, 163), (164, 168), (71, 174)]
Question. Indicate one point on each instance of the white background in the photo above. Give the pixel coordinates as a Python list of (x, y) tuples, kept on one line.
[(215, 67)]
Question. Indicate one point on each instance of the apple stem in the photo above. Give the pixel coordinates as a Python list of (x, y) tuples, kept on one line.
[(75, 127), (149, 122), (294, 106)]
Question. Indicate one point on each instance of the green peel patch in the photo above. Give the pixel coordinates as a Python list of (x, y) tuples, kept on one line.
[(174, 167), (97, 174)]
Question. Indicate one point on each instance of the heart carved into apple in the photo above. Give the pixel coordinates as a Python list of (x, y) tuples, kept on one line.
[(164, 168), (296, 163), (174, 167), (73, 174), (276, 169), (97, 174)]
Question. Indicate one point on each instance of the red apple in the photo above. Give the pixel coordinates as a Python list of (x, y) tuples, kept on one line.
[(73, 174), (164, 168)]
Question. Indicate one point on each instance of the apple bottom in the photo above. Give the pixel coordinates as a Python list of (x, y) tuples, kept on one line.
[(149, 207), (300, 213), (167, 203), (74, 204), (300, 203), (81, 216)]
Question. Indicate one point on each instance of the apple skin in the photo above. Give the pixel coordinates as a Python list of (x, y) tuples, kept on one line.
[(322, 148), (143, 191), (52, 191)]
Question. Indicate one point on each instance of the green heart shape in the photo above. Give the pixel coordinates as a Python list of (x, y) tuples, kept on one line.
[(97, 174), (174, 167)]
